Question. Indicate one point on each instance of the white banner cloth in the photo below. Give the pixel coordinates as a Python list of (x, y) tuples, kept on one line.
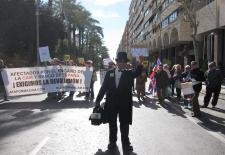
[(36, 80)]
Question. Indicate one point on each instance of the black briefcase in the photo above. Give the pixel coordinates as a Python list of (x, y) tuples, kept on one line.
[(96, 117)]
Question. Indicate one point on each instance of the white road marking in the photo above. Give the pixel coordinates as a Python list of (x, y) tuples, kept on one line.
[(39, 146)]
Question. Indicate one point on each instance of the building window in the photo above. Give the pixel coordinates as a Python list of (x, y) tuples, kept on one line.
[(173, 17), (146, 12), (209, 1), (165, 23), (166, 3)]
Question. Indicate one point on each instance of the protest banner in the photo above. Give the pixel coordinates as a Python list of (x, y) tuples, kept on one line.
[(36, 80), (44, 54)]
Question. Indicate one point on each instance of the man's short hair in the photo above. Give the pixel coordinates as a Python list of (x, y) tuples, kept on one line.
[(211, 64)]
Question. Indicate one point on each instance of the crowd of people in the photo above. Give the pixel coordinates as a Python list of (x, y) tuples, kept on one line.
[(89, 95), (119, 86), (168, 81)]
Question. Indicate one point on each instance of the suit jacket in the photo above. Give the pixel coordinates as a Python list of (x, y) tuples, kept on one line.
[(119, 98)]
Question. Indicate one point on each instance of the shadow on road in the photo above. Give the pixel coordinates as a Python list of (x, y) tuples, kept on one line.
[(212, 123), (17, 121), (107, 152), (148, 102), (170, 105), (218, 110), (48, 104)]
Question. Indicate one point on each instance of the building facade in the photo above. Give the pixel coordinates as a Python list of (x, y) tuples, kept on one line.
[(162, 27)]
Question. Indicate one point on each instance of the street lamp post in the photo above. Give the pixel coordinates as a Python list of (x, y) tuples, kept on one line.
[(37, 30)]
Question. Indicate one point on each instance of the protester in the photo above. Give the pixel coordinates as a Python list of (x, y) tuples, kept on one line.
[(90, 93), (177, 78), (2, 66), (172, 81), (152, 84), (166, 68), (117, 86), (55, 95), (140, 85), (130, 67), (71, 63), (162, 82), (197, 77), (214, 79), (111, 65), (186, 77)]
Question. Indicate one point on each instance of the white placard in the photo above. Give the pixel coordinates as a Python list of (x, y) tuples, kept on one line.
[(187, 88), (36, 80), (44, 54), (136, 52), (106, 61)]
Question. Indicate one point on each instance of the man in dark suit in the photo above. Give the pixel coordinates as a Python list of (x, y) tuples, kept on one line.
[(117, 86)]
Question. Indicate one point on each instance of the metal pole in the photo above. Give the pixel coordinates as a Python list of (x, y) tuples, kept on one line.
[(37, 30)]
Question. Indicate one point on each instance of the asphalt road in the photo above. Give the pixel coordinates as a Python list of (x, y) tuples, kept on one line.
[(30, 125)]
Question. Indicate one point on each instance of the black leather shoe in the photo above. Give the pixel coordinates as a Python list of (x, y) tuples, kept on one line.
[(112, 146), (127, 150)]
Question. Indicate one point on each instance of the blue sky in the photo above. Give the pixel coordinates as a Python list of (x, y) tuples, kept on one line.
[(112, 15)]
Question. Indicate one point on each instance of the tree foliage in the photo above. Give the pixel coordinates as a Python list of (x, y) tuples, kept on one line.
[(189, 8), (65, 26)]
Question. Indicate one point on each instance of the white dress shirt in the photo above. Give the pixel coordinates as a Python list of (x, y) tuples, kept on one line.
[(117, 76)]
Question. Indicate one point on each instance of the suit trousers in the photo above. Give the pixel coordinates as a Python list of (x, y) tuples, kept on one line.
[(124, 129), (208, 95)]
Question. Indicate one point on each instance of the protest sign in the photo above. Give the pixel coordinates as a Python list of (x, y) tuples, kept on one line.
[(81, 61), (187, 88), (145, 64), (36, 80), (106, 61), (66, 58), (44, 54), (136, 52)]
